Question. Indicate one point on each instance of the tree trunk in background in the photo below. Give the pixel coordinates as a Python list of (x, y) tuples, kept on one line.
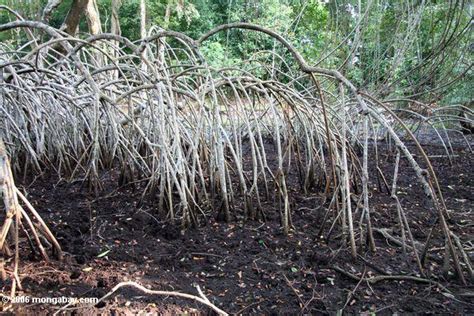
[(357, 38), (50, 6), (71, 23), (115, 29), (93, 22), (143, 31), (114, 20), (166, 23), (167, 14), (142, 19), (93, 17)]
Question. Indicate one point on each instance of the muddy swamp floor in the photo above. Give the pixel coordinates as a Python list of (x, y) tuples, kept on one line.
[(246, 267)]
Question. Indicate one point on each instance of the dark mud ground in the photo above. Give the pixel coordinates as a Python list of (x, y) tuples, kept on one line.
[(247, 267)]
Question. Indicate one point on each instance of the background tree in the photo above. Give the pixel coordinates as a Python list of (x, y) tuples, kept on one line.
[(71, 22), (93, 17)]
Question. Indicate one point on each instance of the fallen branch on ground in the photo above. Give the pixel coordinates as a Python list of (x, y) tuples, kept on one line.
[(379, 278), (202, 299)]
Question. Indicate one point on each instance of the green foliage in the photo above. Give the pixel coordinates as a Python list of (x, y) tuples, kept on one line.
[(217, 56), (129, 17), (312, 32)]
